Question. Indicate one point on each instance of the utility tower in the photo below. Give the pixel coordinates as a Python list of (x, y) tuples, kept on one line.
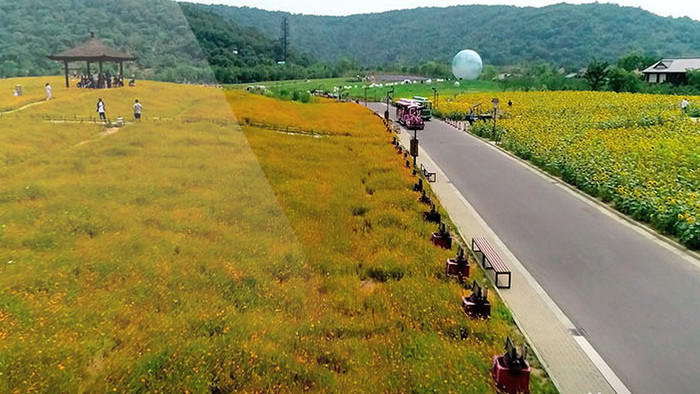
[(284, 39)]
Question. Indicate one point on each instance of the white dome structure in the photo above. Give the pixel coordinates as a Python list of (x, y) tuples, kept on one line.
[(467, 64)]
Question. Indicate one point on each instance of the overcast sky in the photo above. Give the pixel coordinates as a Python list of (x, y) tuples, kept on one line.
[(676, 8)]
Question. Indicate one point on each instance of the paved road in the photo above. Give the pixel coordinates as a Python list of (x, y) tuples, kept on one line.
[(636, 301)]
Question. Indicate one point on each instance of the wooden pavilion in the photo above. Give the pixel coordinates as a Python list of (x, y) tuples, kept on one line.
[(92, 51)]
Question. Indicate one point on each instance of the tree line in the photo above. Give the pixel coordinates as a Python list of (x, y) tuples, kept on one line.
[(622, 75)]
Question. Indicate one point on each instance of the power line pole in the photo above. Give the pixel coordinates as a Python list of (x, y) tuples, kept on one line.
[(285, 38)]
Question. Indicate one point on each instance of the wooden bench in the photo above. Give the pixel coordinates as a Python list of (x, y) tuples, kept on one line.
[(479, 244), (430, 176)]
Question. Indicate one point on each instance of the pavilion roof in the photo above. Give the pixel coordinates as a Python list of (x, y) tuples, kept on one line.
[(92, 50)]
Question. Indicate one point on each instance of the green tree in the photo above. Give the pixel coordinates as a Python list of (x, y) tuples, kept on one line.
[(596, 73), (489, 73), (635, 61), (344, 66), (693, 78), (621, 80)]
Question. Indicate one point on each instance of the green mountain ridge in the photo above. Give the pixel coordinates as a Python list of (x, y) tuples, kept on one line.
[(173, 42), (195, 42), (561, 34), (154, 31)]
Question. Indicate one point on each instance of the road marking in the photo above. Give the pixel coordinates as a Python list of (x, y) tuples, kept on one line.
[(602, 366)]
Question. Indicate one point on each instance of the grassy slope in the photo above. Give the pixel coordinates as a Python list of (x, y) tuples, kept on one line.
[(33, 90), (160, 257)]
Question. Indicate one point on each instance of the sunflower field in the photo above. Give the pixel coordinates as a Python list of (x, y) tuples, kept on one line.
[(639, 152)]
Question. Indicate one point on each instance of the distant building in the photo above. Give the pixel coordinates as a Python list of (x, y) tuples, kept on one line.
[(670, 70), (502, 77)]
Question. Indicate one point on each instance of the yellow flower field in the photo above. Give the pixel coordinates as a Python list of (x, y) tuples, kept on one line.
[(637, 151), (185, 254)]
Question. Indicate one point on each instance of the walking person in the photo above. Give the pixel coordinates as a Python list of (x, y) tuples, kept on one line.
[(101, 110), (137, 110), (684, 105), (48, 91)]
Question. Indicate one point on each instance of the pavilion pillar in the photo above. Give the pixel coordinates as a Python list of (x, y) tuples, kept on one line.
[(121, 69), (65, 63), (88, 69)]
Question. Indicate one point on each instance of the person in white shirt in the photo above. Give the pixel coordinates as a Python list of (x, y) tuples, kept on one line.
[(137, 110), (101, 109), (48, 91), (684, 105)]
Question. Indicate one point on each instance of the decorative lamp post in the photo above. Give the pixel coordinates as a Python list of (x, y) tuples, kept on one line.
[(414, 147), (495, 111), (389, 95)]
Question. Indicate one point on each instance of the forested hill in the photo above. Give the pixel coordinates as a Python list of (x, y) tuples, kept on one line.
[(173, 42), (155, 31), (238, 54), (561, 34)]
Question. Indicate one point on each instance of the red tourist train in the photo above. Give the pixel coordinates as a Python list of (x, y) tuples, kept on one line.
[(408, 113)]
